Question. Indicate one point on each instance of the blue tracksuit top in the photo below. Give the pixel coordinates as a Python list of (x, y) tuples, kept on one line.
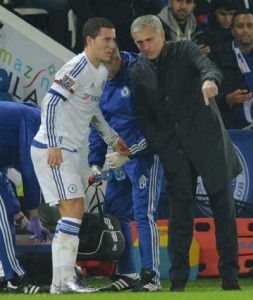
[(117, 106), (19, 122)]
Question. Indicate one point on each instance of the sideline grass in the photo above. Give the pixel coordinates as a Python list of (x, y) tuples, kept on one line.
[(200, 289)]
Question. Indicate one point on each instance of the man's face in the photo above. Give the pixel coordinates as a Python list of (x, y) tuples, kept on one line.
[(103, 45), (149, 42), (243, 29), (181, 9), (224, 17)]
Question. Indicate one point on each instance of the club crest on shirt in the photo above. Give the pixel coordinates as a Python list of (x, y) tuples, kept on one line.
[(72, 188), (66, 82), (125, 92)]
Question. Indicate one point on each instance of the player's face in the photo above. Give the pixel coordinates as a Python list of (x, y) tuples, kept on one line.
[(181, 9), (103, 45), (149, 42), (243, 29)]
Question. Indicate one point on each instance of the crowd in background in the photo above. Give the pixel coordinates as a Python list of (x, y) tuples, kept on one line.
[(208, 23)]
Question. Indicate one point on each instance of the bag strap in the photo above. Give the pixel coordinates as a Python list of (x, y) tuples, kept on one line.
[(99, 202)]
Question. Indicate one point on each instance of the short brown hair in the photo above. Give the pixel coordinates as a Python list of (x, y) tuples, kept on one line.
[(93, 25)]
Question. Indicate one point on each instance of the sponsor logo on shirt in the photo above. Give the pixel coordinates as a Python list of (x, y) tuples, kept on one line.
[(92, 98)]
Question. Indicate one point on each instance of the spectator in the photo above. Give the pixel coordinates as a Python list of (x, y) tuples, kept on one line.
[(4, 86), (220, 21), (18, 124), (202, 11), (58, 17), (235, 60), (179, 23), (139, 192), (172, 86), (120, 12), (67, 110)]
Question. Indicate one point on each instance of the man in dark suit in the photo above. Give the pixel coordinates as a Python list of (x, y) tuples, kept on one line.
[(173, 86)]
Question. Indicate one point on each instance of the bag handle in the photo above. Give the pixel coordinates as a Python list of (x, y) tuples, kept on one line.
[(99, 202)]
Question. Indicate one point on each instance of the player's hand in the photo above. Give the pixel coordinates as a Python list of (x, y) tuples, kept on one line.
[(39, 232), (209, 90), (121, 147), (115, 160), (54, 157), (94, 170)]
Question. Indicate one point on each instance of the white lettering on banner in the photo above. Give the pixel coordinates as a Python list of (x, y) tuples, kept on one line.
[(240, 187)]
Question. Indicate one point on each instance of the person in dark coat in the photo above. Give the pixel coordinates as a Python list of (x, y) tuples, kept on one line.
[(220, 21), (235, 60), (179, 23), (120, 12), (173, 86)]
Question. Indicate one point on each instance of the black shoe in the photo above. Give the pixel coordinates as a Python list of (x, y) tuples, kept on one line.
[(147, 282), (177, 286), (23, 285), (230, 284), (3, 286), (121, 283)]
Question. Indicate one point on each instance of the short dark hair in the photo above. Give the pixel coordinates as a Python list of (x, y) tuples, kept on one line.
[(228, 5), (243, 11), (93, 25)]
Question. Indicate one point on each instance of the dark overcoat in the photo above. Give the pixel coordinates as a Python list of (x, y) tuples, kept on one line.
[(169, 103)]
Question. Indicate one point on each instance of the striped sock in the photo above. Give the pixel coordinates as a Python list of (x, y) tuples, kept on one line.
[(55, 257), (68, 241)]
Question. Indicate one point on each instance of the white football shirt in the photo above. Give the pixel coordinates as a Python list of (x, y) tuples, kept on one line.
[(71, 103)]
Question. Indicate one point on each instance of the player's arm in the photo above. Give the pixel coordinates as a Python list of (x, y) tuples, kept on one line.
[(62, 89), (108, 134)]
